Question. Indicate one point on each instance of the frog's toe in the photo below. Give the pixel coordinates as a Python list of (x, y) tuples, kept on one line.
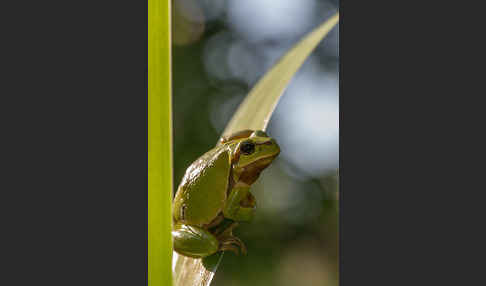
[(229, 247), (240, 244), (233, 243)]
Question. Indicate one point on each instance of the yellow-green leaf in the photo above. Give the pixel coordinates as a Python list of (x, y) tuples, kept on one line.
[(257, 108)]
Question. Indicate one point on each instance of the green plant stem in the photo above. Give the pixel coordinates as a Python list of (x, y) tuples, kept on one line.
[(159, 144)]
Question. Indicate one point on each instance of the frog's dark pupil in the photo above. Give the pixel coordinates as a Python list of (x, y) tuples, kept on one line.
[(247, 148)]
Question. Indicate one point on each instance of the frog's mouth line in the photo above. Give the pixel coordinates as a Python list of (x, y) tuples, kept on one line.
[(251, 172), (266, 161), (261, 163)]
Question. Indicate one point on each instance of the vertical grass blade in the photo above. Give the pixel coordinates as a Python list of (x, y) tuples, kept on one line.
[(159, 144), (253, 113)]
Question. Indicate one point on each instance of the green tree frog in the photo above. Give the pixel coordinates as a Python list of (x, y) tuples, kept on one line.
[(214, 194)]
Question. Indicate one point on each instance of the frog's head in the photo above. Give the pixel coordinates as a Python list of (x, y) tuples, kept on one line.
[(254, 153)]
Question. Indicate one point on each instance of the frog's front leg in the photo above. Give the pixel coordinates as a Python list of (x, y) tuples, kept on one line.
[(240, 204)]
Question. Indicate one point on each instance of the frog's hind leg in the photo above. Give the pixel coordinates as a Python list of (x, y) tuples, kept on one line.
[(197, 242), (194, 241)]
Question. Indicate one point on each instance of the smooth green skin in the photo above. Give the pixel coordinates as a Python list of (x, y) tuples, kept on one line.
[(219, 183)]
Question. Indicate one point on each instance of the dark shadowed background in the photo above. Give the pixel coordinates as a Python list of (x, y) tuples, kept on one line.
[(221, 49)]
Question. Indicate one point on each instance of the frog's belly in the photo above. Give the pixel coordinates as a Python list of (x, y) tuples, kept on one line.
[(198, 206), (202, 193)]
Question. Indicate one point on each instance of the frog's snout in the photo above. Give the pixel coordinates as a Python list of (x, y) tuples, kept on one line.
[(277, 147)]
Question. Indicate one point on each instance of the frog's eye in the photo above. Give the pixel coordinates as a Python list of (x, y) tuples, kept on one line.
[(247, 147)]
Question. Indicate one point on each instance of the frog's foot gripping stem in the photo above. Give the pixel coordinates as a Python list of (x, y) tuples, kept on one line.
[(229, 242), (234, 244)]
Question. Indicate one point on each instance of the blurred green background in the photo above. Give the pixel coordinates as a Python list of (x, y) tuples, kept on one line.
[(220, 50)]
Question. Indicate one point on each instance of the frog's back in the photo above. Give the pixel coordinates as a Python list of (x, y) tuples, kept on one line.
[(202, 192)]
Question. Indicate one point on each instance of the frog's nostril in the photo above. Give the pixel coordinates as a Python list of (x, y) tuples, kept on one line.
[(277, 147)]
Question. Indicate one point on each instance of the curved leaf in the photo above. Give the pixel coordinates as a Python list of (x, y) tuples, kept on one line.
[(257, 108)]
